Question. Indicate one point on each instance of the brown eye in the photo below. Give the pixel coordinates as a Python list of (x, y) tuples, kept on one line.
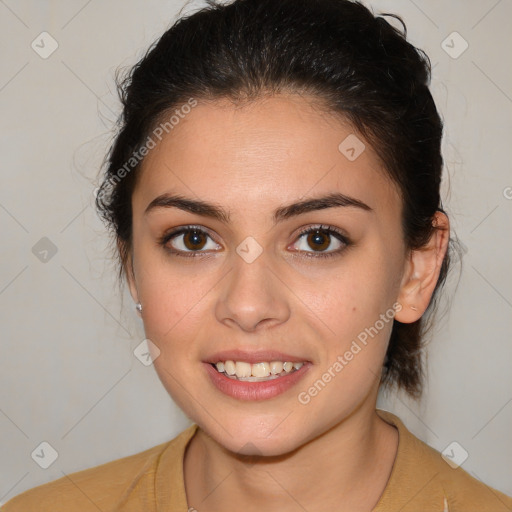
[(318, 240), (188, 241), (194, 240), (321, 241)]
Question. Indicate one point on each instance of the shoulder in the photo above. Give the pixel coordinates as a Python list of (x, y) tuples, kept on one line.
[(436, 480), (96, 488), (461, 490), (101, 487)]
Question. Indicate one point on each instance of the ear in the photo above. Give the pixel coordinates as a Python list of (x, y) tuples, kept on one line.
[(422, 272), (128, 270)]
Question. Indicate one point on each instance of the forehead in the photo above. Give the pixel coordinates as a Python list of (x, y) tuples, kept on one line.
[(263, 153)]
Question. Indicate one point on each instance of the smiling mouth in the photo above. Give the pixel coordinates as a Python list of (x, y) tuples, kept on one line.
[(256, 372)]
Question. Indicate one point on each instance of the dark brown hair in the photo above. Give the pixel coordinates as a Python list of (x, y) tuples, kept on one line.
[(357, 64)]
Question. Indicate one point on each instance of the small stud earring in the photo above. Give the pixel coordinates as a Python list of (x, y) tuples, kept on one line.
[(138, 307)]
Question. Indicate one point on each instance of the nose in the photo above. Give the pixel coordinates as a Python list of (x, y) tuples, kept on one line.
[(252, 296)]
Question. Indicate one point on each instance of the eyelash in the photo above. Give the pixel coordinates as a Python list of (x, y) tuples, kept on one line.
[(325, 229)]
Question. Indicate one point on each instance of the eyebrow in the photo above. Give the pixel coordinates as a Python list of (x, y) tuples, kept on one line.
[(205, 209)]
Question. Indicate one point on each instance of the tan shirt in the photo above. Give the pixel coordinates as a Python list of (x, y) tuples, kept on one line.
[(152, 481)]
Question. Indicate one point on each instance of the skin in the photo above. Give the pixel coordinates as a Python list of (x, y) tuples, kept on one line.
[(333, 452)]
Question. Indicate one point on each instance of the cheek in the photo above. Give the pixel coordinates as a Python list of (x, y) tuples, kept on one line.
[(357, 306), (353, 298), (173, 299)]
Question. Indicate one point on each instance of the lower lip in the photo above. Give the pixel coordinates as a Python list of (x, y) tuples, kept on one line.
[(243, 390)]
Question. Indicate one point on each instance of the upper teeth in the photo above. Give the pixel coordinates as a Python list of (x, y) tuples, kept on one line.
[(263, 369)]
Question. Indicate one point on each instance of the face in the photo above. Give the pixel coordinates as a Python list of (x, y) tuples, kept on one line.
[(258, 282)]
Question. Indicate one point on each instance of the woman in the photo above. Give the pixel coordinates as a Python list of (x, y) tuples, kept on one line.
[(274, 195)]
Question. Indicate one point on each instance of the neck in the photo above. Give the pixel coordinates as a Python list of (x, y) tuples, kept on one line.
[(345, 468)]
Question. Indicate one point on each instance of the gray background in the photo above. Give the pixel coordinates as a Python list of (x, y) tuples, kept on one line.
[(68, 373)]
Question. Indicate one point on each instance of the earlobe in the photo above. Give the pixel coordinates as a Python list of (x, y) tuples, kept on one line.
[(424, 267), (131, 285), (130, 276), (129, 272)]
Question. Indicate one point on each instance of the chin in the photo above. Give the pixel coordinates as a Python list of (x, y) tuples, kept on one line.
[(256, 438)]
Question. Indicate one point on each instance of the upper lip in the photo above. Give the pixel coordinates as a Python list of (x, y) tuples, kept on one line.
[(256, 356)]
